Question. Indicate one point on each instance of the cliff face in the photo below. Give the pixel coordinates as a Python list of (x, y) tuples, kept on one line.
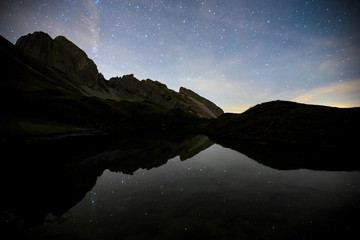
[(71, 63), (61, 55), (201, 104)]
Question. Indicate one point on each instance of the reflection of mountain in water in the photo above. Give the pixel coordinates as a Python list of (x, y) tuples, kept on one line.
[(296, 156), (76, 165), (144, 152)]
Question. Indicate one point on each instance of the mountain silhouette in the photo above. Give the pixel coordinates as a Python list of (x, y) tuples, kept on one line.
[(51, 87), (72, 63)]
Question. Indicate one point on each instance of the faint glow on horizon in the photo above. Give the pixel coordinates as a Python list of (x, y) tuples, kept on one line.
[(343, 94)]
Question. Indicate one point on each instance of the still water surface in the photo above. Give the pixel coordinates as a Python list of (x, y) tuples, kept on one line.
[(217, 194)]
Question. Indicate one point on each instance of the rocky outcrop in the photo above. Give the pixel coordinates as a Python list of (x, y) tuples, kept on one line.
[(201, 104), (131, 89), (65, 58), (72, 64)]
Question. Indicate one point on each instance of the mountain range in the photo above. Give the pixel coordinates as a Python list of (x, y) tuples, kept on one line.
[(51, 89), (71, 63), (50, 86)]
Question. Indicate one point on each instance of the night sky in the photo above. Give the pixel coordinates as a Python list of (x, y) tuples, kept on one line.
[(237, 53)]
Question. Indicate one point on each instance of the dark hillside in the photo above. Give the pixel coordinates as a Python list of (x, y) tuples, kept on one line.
[(290, 122), (288, 135)]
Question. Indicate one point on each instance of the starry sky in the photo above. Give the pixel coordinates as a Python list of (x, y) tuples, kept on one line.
[(237, 53)]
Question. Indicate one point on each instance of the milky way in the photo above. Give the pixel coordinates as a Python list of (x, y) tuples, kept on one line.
[(235, 53)]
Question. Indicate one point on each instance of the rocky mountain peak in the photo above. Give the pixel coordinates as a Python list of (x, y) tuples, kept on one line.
[(64, 57), (73, 65)]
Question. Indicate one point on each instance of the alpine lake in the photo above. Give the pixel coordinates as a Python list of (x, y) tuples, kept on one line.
[(169, 188)]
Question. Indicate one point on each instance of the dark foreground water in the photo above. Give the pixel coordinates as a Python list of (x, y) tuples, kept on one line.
[(217, 193)]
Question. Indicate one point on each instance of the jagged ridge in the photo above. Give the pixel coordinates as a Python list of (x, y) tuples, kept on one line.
[(70, 62), (38, 100)]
